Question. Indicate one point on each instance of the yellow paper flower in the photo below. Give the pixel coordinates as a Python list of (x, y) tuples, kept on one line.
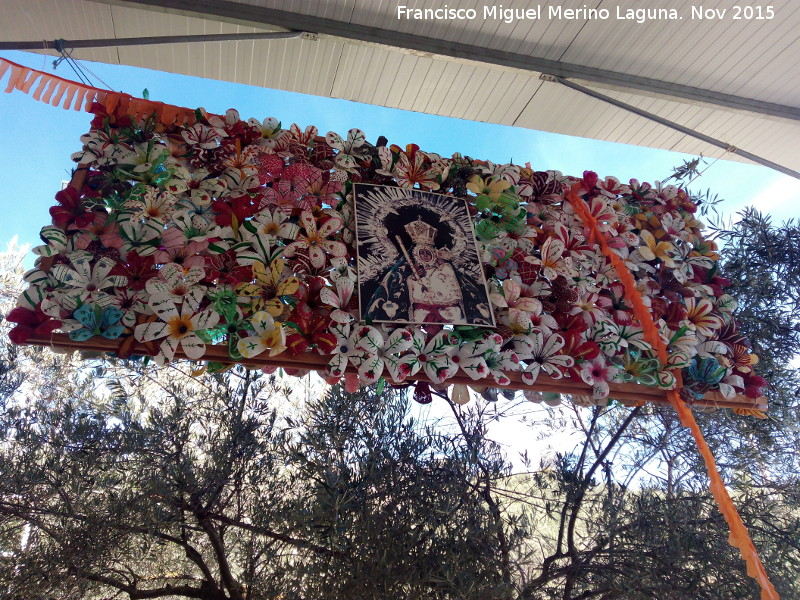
[(266, 292), (653, 249), (269, 336), (491, 188)]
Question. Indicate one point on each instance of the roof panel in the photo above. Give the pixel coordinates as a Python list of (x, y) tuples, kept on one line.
[(755, 59)]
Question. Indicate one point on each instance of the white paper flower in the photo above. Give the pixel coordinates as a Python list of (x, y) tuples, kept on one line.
[(543, 355), (84, 283), (345, 350), (383, 353), (433, 357), (175, 281), (269, 336), (177, 328)]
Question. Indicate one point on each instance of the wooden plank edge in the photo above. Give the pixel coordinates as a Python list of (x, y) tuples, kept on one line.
[(627, 393)]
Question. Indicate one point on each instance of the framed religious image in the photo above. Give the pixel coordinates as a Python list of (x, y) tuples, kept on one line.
[(417, 259)]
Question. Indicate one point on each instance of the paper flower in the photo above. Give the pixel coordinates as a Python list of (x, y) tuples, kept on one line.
[(137, 269), (315, 240), (55, 242), (500, 362), (544, 355), (653, 250), (271, 224), (97, 321), (84, 283), (268, 336), (383, 353), (409, 167), (101, 228), (175, 281), (699, 317), (270, 130), (132, 303), (432, 357), (30, 322), (149, 203), (224, 269), (489, 188), (346, 350), (203, 136), (311, 331), (470, 358), (177, 328), (519, 306), (270, 288), (70, 214), (339, 298), (349, 151), (598, 374)]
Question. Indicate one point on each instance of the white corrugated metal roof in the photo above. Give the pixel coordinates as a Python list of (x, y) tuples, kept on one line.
[(753, 59)]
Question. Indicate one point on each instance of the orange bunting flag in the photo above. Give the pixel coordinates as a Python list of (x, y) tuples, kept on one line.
[(54, 90)]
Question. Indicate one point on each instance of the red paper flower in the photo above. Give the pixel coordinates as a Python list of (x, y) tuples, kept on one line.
[(30, 322), (138, 270), (308, 294), (310, 331), (589, 181), (581, 351), (239, 207), (714, 281), (571, 325), (754, 385), (224, 269), (271, 168), (70, 213)]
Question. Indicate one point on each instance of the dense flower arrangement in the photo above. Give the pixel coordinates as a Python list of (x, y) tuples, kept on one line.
[(242, 233)]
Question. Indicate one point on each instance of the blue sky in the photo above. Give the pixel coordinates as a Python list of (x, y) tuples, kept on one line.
[(38, 139)]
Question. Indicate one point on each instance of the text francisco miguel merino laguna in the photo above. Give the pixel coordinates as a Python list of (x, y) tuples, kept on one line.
[(555, 12)]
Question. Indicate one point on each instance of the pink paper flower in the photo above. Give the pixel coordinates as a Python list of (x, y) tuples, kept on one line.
[(316, 241), (598, 374)]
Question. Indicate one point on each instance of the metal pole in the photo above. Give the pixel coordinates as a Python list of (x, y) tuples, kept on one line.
[(691, 132), (147, 41)]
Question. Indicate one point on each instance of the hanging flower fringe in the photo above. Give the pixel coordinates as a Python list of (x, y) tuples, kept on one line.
[(739, 536), (54, 90)]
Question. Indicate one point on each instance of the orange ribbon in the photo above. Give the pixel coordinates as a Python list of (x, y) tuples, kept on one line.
[(739, 537)]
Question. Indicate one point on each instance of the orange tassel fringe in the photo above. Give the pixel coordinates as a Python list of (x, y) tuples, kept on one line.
[(51, 89)]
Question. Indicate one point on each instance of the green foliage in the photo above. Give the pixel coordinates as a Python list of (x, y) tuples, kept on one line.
[(127, 479)]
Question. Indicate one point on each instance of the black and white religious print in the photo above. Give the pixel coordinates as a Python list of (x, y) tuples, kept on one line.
[(418, 259)]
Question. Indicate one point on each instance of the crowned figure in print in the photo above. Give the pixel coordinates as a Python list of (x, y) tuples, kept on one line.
[(417, 259)]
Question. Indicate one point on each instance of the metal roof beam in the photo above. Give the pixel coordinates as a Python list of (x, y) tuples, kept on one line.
[(147, 41), (673, 125), (250, 15)]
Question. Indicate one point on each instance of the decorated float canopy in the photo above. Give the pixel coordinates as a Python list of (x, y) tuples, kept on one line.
[(187, 235)]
